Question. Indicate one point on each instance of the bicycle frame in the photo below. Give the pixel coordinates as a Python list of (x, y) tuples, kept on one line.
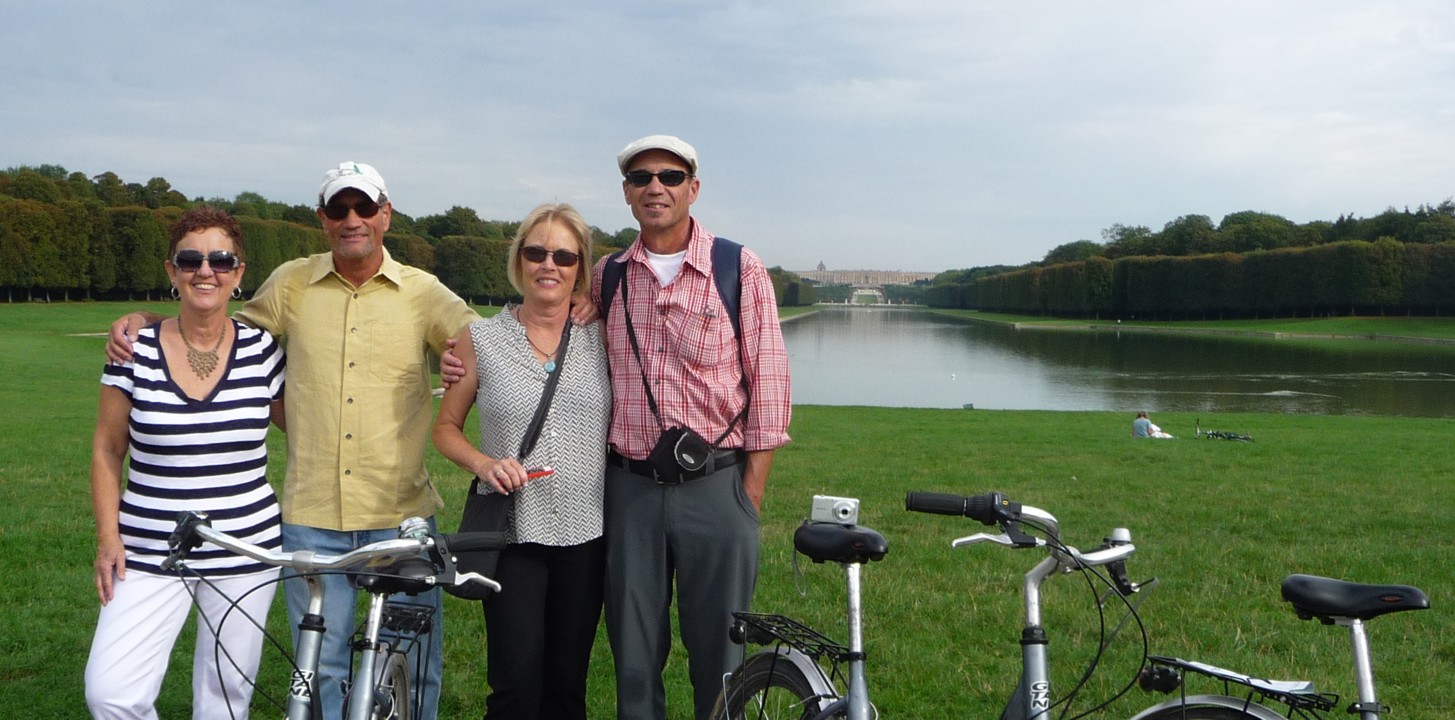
[(1332, 602), (415, 542), (799, 646), (1033, 696)]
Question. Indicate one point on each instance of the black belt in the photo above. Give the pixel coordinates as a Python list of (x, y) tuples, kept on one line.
[(719, 460)]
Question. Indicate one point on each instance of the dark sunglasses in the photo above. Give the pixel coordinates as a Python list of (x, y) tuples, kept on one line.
[(670, 178), (339, 210), (538, 254), (221, 261)]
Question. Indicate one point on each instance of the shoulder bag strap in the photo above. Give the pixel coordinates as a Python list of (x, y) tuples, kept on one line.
[(533, 431)]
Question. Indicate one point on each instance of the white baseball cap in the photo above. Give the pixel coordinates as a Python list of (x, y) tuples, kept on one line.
[(675, 145), (353, 175)]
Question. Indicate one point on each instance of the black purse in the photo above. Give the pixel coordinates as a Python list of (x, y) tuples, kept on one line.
[(489, 511)]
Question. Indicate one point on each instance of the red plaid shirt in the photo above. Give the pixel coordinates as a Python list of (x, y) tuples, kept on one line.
[(691, 357)]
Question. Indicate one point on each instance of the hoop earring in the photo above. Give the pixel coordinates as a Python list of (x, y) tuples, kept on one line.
[(237, 292), (176, 294)]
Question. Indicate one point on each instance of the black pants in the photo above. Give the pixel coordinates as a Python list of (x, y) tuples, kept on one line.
[(540, 629)]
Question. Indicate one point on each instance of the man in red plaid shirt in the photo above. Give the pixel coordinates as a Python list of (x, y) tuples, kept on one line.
[(676, 364)]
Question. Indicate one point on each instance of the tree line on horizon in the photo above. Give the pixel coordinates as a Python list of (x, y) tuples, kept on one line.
[(1252, 264), (65, 235)]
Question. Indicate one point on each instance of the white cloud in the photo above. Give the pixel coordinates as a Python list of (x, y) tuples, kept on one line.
[(920, 134)]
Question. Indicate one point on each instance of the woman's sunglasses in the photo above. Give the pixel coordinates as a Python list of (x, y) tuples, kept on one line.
[(221, 261), (670, 178), (340, 210), (537, 254)]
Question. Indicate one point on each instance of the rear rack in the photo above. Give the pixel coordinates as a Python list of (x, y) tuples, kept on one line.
[(1296, 694), (766, 629)]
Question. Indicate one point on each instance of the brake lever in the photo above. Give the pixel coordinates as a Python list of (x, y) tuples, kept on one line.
[(183, 539), (463, 577), (1005, 539)]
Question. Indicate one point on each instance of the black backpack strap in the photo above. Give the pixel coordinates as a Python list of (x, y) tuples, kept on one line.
[(612, 275), (727, 274)]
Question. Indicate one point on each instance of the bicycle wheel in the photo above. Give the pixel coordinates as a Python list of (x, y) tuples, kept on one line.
[(1203, 713), (768, 686), (394, 690)]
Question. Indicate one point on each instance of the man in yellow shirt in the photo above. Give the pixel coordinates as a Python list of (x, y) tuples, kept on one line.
[(359, 328)]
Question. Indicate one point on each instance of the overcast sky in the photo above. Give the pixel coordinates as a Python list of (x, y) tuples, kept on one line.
[(917, 135)]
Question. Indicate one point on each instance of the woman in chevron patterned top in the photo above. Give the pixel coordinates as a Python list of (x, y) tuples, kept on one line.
[(540, 629), (192, 411)]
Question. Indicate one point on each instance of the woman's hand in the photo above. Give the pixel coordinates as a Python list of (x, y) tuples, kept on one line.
[(506, 475), (110, 568)]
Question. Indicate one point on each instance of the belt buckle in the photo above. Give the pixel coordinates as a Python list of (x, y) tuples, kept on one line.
[(665, 480)]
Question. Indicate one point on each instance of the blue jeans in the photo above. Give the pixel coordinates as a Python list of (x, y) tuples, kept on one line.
[(340, 609)]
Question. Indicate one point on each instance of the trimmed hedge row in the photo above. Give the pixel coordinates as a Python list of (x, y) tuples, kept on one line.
[(1351, 277)]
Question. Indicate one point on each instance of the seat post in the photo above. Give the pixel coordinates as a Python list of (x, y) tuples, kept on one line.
[(1368, 707), (859, 706)]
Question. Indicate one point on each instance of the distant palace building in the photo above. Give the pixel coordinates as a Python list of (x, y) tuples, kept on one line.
[(863, 277)]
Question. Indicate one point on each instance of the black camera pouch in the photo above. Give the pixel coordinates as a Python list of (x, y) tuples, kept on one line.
[(677, 450)]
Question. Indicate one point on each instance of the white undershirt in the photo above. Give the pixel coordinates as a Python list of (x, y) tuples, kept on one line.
[(665, 266)]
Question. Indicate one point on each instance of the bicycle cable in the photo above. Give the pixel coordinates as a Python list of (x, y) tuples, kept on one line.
[(273, 640)]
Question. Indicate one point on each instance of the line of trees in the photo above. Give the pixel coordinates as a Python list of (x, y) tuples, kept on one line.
[(1251, 264), (1352, 277), (64, 235)]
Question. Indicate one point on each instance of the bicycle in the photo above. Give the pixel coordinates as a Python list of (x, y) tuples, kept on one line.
[(415, 562), (1219, 434), (1331, 602), (788, 681)]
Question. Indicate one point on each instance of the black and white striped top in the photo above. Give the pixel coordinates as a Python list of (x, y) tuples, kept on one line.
[(205, 455)]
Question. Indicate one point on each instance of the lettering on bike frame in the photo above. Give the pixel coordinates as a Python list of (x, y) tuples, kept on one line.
[(302, 680), (1040, 697)]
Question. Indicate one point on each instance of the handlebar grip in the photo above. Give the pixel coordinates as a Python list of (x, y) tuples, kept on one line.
[(468, 541), (984, 508)]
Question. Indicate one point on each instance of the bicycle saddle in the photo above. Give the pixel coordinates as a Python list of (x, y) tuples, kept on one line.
[(1326, 599), (832, 542), (407, 575)]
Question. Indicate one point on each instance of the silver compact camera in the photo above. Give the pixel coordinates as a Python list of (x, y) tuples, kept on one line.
[(830, 509)]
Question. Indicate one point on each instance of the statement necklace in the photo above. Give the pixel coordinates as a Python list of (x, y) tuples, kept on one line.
[(203, 362)]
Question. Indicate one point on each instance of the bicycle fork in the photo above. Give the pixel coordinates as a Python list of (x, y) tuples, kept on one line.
[(362, 699)]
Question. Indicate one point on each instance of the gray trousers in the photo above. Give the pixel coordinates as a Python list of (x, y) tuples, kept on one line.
[(704, 533)]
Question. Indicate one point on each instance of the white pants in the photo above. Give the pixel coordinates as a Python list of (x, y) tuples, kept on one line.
[(136, 631)]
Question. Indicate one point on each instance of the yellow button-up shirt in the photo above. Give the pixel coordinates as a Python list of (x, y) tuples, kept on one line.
[(358, 400)]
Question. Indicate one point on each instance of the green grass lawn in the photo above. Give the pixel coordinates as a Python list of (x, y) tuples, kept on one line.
[(1219, 523)]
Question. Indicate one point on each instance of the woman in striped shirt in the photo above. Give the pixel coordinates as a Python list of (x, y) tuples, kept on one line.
[(192, 410)]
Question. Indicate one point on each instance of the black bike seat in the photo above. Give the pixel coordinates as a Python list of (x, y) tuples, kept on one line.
[(1326, 598), (832, 542), (407, 575)]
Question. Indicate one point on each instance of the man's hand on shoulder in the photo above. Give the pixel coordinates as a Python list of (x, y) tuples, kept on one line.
[(124, 332), (584, 311), (452, 368)]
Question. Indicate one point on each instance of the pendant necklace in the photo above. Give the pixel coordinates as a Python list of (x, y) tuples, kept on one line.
[(203, 362), (550, 364)]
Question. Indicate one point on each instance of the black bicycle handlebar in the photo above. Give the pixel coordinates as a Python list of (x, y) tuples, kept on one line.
[(986, 508)]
